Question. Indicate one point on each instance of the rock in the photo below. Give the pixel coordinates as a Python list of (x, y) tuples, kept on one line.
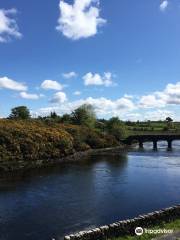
[(67, 238)]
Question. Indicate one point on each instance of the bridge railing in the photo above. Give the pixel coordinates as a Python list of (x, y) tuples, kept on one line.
[(153, 133)]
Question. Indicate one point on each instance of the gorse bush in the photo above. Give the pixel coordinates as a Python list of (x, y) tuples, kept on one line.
[(26, 141)]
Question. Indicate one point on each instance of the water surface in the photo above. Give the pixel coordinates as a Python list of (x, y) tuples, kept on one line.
[(99, 190)]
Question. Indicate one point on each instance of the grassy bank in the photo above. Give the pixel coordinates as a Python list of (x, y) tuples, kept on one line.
[(175, 225), (34, 142), (153, 126)]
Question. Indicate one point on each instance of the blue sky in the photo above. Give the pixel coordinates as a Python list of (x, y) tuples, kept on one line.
[(121, 56)]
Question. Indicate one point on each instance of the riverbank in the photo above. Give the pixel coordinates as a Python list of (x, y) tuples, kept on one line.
[(41, 165), (34, 144), (127, 227)]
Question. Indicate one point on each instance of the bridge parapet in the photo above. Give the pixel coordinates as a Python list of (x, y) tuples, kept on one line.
[(142, 138)]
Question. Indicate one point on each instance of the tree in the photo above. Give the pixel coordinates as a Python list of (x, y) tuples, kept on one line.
[(21, 112), (53, 115), (66, 118), (149, 123), (169, 120), (84, 115), (116, 128)]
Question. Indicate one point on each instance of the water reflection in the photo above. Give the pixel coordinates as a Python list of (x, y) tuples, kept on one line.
[(162, 146), (99, 190)]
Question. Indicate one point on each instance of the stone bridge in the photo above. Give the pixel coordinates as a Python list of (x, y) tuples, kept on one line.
[(141, 138)]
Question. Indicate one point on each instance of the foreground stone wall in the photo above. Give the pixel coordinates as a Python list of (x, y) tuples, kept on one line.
[(127, 227)]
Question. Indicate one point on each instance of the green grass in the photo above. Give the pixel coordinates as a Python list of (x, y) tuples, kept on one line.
[(153, 126), (173, 225)]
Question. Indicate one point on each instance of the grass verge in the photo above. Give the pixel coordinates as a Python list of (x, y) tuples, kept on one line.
[(175, 225)]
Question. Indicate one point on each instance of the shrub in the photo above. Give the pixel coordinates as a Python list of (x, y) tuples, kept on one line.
[(26, 142)]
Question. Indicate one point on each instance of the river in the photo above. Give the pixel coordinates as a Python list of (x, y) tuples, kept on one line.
[(99, 190)]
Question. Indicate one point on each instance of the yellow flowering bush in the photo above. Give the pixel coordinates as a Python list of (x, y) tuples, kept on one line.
[(23, 143)]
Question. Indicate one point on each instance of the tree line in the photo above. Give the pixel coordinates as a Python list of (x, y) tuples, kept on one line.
[(84, 115)]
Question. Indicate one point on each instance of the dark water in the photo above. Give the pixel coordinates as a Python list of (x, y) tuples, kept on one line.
[(97, 191)]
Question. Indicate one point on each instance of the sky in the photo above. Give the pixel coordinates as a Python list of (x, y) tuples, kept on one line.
[(121, 56)]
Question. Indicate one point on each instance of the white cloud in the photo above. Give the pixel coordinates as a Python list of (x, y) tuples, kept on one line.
[(79, 20), (8, 83), (97, 79), (30, 96), (151, 101), (164, 5), (8, 25), (129, 96), (169, 96), (135, 116), (157, 115), (103, 106), (69, 75), (172, 93), (153, 106), (124, 103), (77, 93), (51, 84), (59, 97), (126, 108)]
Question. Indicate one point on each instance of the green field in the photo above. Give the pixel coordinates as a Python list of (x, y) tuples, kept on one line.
[(151, 126)]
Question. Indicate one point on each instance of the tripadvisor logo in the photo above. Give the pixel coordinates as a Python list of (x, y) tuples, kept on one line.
[(139, 231)]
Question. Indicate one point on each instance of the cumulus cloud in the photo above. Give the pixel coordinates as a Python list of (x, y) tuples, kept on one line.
[(169, 96), (69, 75), (154, 115), (103, 106), (51, 84), (157, 115), (134, 116), (77, 93), (164, 5), (129, 96), (172, 93), (154, 106), (8, 25), (97, 79), (30, 96), (8, 83), (59, 97), (151, 101), (79, 20)]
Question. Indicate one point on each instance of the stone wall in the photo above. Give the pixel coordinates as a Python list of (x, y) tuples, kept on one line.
[(127, 227)]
